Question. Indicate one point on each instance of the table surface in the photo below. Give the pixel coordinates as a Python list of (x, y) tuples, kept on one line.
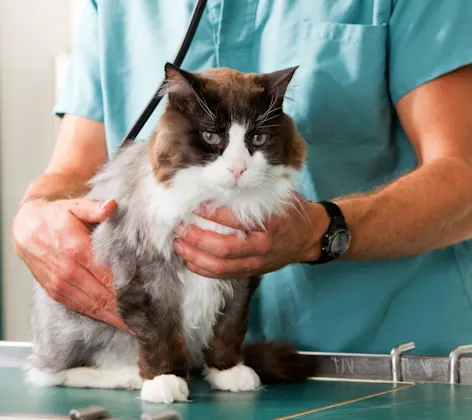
[(310, 400)]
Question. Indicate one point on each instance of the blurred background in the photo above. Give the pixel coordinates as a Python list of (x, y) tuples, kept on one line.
[(35, 38)]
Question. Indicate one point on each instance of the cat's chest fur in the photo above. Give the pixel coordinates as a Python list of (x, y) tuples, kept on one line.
[(203, 300)]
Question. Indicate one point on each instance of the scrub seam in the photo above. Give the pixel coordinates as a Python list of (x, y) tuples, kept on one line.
[(462, 277), (216, 23)]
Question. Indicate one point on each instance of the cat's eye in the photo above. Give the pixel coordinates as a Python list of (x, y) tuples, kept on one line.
[(259, 139), (211, 138)]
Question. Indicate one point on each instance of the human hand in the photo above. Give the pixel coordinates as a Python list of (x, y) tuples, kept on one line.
[(292, 238), (53, 239)]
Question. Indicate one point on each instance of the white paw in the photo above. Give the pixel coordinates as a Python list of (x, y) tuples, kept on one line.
[(89, 377), (165, 389), (237, 378), (38, 377), (134, 380)]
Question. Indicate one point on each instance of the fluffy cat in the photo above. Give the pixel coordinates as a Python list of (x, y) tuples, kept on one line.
[(222, 139)]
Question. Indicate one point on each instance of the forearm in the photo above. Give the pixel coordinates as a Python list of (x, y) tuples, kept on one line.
[(80, 151), (56, 186), (426, 209)]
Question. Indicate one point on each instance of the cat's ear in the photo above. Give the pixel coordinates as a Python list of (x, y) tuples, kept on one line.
[(182, 87), (179, 82), (277, 82)]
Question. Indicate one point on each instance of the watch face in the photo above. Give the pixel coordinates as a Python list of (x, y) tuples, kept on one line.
[(340, 242)]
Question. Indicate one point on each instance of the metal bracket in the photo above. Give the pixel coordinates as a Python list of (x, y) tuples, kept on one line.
[(93, 412), (454, 358), (161, 415), (396, 362), (100, 413)]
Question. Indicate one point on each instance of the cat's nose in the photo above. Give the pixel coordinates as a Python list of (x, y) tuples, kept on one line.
[(238, 170)]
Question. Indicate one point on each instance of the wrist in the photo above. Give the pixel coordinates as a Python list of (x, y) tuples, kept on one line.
[(55, 186), (319, 224)]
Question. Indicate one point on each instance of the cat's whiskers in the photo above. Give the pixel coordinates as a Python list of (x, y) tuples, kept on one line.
[(262, 123), (269, 126), (217, 106), (203, 104), (267, 116), (264, 187), (295, 201), (268, 177), (268, 119), (300, 209), (269, 110), (199, 120)]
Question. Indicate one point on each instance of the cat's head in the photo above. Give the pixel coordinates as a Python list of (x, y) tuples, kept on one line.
[(228, 130)]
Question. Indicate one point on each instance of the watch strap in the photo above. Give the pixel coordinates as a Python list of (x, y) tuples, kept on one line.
[(337, 221), (334, 213)]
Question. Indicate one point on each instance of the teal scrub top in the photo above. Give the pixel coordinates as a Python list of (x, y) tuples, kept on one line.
[(357, 58)]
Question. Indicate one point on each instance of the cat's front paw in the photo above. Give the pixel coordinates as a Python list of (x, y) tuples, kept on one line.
[(41, 378), (165, 389), (238, 378)]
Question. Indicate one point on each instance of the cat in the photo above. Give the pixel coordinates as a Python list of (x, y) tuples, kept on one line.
[(224, 140)]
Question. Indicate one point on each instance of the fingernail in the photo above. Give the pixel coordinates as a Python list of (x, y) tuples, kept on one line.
[(178, 248), (202, 208), (179, 230), (132, 332), (104, 205)]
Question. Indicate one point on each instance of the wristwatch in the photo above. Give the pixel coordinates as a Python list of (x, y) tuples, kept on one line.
[(336, 240)]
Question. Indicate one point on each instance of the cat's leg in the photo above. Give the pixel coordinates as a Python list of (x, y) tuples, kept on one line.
[(224, 364), (152, 309), (70, 349), (116, 366), (123, 377), (78, 366), (87, 377), (57, 340)]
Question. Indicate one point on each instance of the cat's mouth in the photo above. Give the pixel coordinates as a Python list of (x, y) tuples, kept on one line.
[(239, 185), (232, 183)]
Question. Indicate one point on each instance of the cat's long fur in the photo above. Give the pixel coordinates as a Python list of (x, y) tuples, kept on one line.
[(181, 320)]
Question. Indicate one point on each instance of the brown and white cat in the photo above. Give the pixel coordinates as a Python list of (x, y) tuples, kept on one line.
[(222, 139)]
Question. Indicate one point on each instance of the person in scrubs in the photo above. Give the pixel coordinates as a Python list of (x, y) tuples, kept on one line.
[(381, 96)]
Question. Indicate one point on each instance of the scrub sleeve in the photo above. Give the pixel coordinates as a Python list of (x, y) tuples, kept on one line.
[(426, 40), (81, 92)]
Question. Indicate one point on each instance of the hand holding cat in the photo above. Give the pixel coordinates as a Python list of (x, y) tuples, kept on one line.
[(54, 241), (287, 239)]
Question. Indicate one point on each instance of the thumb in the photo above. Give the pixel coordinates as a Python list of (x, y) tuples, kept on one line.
[(92, 211)]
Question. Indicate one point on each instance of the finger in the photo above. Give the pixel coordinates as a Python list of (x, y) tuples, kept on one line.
[(221, 215), (218, 267), (107, 280), (75, 299), (199, 271), (100, 304), (103, 299), (88, 306), (224, 246), (89, 211), (107, 316), (76, 294), (203, 273), (112, 319), (80, 250), (100, 272)]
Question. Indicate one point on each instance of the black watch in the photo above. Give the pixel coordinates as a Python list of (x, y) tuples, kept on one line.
[(336, 240)]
